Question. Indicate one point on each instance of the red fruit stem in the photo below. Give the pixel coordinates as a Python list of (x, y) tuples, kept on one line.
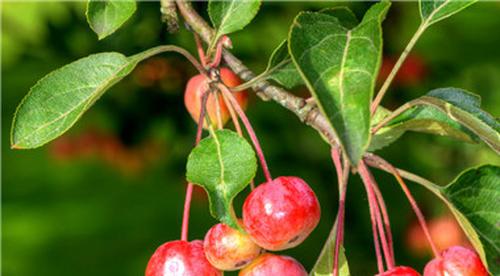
[(249, 129), (413, 203), (385, 217), (218, 52), (342, 177), (377, 220), (220, 125), (201, 52), (189, 189)]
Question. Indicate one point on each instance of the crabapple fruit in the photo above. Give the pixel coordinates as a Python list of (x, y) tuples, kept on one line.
[(229, 249), (456, 260), (281, 214), (180, 258), (270, 264), (198, 84), (400, 271)]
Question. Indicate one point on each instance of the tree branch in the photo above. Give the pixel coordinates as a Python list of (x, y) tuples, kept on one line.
[(306, 111)]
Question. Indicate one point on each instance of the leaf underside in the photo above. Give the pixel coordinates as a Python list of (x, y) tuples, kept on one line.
[(231, 15), (432, 11)]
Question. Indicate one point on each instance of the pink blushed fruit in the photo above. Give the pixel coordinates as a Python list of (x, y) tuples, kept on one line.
[(229, 249), (180, 258), (400, 271), (281, 214), (274, 265), (456, 260)]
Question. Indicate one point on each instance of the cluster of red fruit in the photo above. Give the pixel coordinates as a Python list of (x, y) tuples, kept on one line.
[(276, 215)]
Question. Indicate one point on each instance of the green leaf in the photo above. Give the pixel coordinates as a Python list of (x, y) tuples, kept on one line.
[(231, 15), (474, 197), (59, 99), (432, 11), (339, 66), (450, 112), (324, 264), (105, 17), (223, 164), (281, 68)]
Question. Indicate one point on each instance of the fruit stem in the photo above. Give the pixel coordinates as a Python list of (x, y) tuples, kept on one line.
[(217, 110), (368, 180), (385, 217), (342, 178), (249, 129), (201, 52), (396, 67), (413, 203), (218, 52), (236, 123), (189, 189)]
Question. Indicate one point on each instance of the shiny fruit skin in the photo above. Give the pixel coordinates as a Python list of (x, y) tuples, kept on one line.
[(281, 214), (456, 261), (229, 249), (400, 271), (180, 258), (198, 84), (273, 265)]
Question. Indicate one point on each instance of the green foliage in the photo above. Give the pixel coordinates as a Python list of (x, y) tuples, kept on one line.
[(231, 16), (59, 99), (324, 264), (105, 17), (435, 10), (223, 164), (475, 195), (340, 67), (281, 69)]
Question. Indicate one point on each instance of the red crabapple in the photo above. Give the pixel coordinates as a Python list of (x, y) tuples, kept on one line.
[(400, 271), (198, 84), (273, 265), (456, 260), (180, 258), (281, 214), (229, 249)]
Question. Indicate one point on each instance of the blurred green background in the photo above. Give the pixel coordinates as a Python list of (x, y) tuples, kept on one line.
[(100, 199)]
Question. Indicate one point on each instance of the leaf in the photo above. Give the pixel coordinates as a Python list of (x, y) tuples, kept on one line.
[(280, 67), (432, 11), (223, 164), (59, 99), (105, 17), (450, 112), (231, 15), (324, 264), (474, 197), (339, 66)]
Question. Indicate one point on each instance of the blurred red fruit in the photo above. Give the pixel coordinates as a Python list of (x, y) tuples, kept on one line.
[(198, 84), (411, 72)]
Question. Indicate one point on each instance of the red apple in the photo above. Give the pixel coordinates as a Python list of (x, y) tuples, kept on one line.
[(273, 265), (229, 249), (180, 258), (456, 260), (281, 214), (400, 271), (198, 84)]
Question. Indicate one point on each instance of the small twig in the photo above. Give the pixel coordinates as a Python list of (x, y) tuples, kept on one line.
[(395, 69), (169, 15)]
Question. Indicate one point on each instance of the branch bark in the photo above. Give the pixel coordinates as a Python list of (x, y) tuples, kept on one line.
[(307, 112)]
